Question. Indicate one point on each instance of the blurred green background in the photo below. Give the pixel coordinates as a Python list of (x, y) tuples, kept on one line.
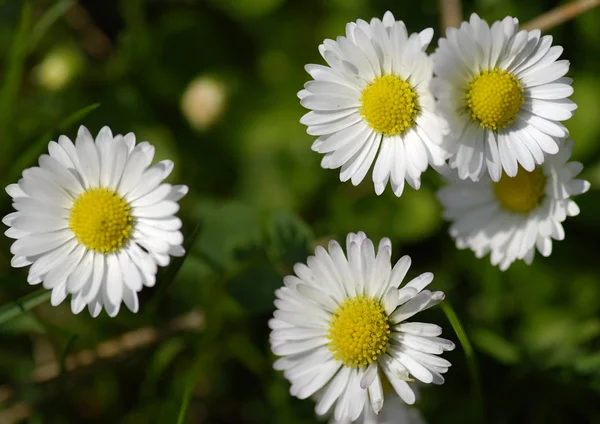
[(212, 83)]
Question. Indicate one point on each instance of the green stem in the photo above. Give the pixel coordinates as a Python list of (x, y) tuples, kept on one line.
[(211, 342), (471, 360), (24, 304)]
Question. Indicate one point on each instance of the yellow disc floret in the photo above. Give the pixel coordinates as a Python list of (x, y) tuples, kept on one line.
[(389, 105), (494, 98), (523, 193), (101, 220), (359, 331)]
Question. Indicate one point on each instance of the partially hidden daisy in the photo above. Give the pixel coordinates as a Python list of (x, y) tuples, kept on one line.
[(393, 412), (503, 94), (340, 327), (514, 216), (374, 97), (94, 220)]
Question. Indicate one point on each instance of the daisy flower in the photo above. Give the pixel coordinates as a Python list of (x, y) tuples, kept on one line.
[(503, 93), (374, 96), (514, 216), (340, 321), (394, 412), (94, 220)]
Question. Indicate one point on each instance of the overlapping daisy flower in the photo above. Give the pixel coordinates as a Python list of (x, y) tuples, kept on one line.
[(395, 411), (341, 320), (94, 220), (373, 104), (514, 216), (503, 94)]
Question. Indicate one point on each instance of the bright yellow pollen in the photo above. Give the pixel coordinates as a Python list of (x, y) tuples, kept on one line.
[(101, 220), (359, 331), (494, 98), (523, 193), (389, 105)]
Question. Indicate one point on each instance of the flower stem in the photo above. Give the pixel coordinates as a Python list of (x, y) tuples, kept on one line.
[(478, 411)]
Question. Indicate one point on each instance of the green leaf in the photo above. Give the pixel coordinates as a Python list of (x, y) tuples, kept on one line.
[(242, 347), (162, 357), (290, 239), (227, 228), (254, 287), (496, 347), (28, 157), (24, 304), (24, 323), (47, 20), (14, 73)]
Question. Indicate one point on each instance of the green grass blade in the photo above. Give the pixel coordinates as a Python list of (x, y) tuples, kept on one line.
[(63, 357), (14, 72), (74, 118), (28, 157), (199, 368), (24, 304), (185, 402), (478, 411), (45, 23)]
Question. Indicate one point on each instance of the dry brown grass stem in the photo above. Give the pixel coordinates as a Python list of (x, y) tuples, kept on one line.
[(560, 15), (451, 13)]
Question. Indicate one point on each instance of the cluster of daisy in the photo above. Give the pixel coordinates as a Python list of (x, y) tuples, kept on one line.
[(484, 110), (95, 219)]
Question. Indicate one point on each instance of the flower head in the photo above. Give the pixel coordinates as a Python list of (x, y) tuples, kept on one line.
[(514, 216), (341, 320), (94, 220), (504, 95), (374, 97)]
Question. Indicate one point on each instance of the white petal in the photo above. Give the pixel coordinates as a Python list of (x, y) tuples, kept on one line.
[(369, 376), (150, 179), (130, 299), (114, 280)]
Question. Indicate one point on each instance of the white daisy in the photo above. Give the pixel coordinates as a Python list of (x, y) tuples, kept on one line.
[(341, 320), (512, 217), (94, 221), (375, 92), (393, 412), (503, 94)]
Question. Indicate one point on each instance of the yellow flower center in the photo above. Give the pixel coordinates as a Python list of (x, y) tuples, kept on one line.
[(494, 98), (523, 193), (389, 105), (359, 331), (101, 220)]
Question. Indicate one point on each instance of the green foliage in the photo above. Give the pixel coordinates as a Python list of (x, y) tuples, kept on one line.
[(30, 155), (13, 71), (259, 202), (17, 307)]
